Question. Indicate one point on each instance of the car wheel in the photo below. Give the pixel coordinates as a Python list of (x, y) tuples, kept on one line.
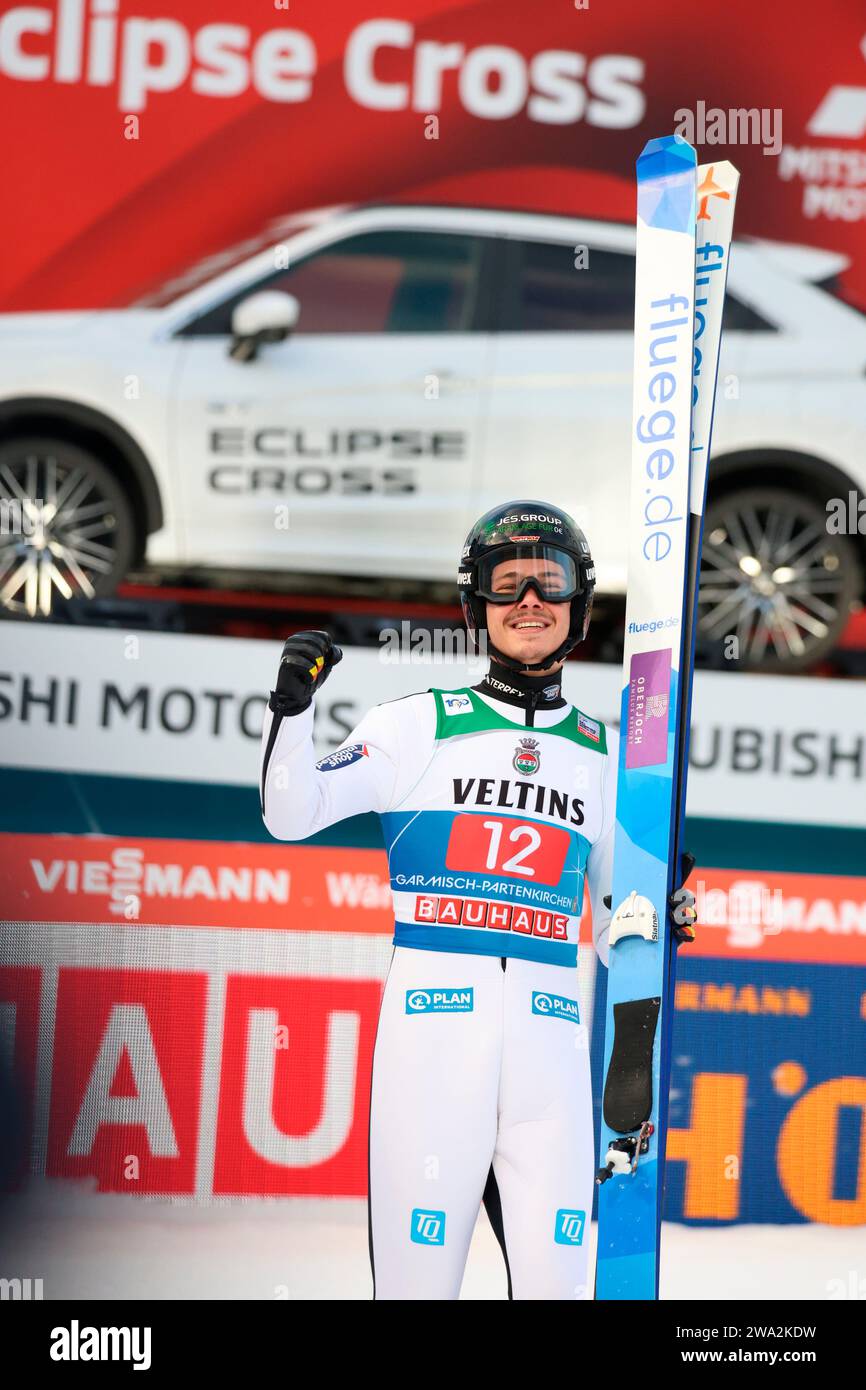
[(67, 528), (775, 578)]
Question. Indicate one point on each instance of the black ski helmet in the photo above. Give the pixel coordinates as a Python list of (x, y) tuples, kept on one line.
[(526, 528)]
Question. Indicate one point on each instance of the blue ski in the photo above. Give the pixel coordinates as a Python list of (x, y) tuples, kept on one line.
[(676, 359)]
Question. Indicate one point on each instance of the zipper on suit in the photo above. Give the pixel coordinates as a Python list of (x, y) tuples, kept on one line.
[(530, 724)]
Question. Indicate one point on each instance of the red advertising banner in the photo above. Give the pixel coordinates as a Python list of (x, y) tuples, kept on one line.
[(780, 916), (213, 126), (195, 883)]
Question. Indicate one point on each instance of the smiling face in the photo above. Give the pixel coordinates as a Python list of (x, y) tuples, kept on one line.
[(531, 628)]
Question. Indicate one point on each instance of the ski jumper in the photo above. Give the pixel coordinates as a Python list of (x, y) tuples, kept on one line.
[(497, 805)]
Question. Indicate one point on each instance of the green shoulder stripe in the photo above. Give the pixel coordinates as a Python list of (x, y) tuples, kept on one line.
[(464, 712)]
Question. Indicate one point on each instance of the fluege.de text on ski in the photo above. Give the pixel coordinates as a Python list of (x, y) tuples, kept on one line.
[(659, 427)]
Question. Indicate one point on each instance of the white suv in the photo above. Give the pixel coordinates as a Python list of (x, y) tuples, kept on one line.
[(346, 402)]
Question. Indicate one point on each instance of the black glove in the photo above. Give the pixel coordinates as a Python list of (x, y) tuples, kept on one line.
[(687, 863), (681, 903), (305, 665)]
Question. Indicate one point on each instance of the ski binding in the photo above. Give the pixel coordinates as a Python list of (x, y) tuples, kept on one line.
[(623, 1154), (634, 917)]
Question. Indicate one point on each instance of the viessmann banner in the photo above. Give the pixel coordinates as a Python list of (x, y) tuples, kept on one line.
[(190, 709), (213, 122), (145, 882)]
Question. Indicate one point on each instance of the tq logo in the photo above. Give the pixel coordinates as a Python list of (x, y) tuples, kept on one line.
[(569, 1227), (428, 1227)]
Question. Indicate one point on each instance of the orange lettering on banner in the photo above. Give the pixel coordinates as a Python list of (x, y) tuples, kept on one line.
[(808, 1145), (712, 1146), (719, 997), (688, 995)]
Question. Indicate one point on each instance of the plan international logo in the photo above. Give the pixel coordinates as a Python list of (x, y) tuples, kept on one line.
[(439, 1001), (555, 1006)]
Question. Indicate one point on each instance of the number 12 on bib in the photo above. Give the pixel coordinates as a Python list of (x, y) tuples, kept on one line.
[(684, 224)]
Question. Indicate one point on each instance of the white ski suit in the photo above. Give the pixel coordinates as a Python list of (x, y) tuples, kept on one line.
[(497, 805)]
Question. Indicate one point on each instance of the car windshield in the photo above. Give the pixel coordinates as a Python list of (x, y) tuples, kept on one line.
[(183, 280)]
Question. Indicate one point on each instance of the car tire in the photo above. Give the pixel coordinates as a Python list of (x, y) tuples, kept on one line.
[(68, 526), (774, 577)]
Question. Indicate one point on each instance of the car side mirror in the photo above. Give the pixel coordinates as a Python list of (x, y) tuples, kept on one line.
[(265, 317)]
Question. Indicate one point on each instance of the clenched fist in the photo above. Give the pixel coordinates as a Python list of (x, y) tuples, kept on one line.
[(305, 665)]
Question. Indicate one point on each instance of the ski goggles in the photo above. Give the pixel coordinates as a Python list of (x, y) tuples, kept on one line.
[(505, 574)]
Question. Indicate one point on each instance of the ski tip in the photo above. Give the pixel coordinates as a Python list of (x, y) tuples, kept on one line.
[(724, 174), (664, 156), (666, 184)]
